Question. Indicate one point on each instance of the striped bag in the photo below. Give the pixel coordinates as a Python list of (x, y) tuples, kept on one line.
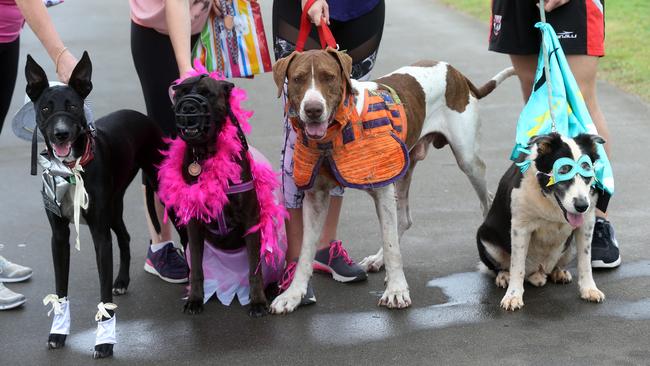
[(235, 44)]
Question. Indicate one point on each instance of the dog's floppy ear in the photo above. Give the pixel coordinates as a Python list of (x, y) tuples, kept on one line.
[(36, 79), (280, 71), (345, 61), (543, 143), (80, 77)]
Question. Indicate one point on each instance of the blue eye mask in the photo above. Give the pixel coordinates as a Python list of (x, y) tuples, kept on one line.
[(565, 169)]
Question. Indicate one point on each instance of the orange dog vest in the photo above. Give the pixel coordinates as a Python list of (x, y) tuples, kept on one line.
[(360, 151)]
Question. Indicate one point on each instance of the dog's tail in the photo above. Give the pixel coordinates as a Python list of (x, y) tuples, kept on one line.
[(488, 87)]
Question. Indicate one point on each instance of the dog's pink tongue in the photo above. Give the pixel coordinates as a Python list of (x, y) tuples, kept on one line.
[(575, 220), (316, 129), (62, 150)]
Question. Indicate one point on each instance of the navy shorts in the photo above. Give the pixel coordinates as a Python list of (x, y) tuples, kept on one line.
[(579, 24)]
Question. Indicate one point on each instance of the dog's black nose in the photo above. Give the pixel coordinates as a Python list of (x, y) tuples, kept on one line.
[(313, 110), (61, 134), (580, 204)]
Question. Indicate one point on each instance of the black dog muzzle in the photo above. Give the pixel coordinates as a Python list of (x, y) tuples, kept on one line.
[(192, 115)]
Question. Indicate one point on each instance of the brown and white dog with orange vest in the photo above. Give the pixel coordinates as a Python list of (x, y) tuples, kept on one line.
[(441, 107)]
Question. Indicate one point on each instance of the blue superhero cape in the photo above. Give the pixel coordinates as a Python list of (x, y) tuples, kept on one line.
[(569, 109)]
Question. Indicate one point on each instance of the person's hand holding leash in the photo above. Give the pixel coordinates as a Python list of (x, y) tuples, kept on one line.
[(320, 10), (550, 5)]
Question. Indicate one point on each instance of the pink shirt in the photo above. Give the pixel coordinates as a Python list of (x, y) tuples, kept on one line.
[(151, 14), (11, 21)]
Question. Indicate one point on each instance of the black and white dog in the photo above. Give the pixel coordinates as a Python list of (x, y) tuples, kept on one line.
[(86, 174), (535, 217)]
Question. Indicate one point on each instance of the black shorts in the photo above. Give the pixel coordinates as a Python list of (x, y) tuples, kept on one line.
[(359, 37), (579, 24)]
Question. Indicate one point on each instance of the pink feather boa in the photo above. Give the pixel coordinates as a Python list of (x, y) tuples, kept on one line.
[(207, 197)]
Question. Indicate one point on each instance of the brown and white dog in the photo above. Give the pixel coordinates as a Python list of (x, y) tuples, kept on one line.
[(441, 107)]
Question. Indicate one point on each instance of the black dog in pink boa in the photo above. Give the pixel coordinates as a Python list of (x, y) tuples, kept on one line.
[(225, 192)]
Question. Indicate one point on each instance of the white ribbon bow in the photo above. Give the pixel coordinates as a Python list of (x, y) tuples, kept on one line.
[(102, 310), (56, 304), (80, 199)]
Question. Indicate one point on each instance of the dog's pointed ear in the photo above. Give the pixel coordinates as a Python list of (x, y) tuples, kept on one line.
[(81, 75), (36, 79), (543, 143), (345, 62), (597, 139), (280, 71), (227, 87)]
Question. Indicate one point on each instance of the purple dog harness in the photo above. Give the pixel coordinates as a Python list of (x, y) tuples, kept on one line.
[(222, 226)]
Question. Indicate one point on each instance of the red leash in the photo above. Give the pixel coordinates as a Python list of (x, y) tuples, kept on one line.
[(324, 32)]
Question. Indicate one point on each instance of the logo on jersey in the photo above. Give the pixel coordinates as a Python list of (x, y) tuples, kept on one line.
[(567, 35), (496, 24)]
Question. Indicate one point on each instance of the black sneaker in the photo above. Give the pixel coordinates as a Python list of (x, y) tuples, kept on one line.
[(604, 247), (335, 260)]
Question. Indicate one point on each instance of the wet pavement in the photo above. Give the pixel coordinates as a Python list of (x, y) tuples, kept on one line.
[(455, 317)]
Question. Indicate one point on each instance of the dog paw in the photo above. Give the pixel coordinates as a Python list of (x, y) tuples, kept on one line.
[(512, 302), (592, 294), (561, 276), (103, 351), (120, 286), (55, 341), (258, 310), (503, 279), (193, 307), (396, 299), (287, 302), (372, 263), (537, 279)]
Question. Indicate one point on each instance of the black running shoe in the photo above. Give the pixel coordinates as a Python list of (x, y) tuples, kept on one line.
[(604, 247)]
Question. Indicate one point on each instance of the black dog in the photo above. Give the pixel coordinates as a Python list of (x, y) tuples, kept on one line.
[(201, 107), (124, 142)]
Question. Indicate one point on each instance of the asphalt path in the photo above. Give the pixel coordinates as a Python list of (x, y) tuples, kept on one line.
[(455, 318)]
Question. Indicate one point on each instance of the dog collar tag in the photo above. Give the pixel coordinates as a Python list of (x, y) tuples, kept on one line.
[(194, 169)]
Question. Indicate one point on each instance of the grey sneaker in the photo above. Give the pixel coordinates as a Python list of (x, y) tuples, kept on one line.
[(9, 299), (335, 260), (12, 272)]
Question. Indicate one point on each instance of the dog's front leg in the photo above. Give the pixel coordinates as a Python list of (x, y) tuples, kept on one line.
[(258, 298), (396, 295), (106, 323), (586, 284), (61, 259), (194, 303), (520, 239), (314, 211)]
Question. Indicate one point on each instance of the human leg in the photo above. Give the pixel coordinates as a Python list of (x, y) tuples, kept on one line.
[(9, 53), (155, 65)]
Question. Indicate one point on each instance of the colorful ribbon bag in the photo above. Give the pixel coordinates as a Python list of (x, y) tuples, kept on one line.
[(234, 44), (569, 109)]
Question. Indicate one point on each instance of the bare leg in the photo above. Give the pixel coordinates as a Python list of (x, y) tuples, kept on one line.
[(165, 228), (294, 227)]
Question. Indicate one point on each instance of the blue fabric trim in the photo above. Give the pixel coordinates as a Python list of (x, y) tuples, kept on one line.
[(374, 123)]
